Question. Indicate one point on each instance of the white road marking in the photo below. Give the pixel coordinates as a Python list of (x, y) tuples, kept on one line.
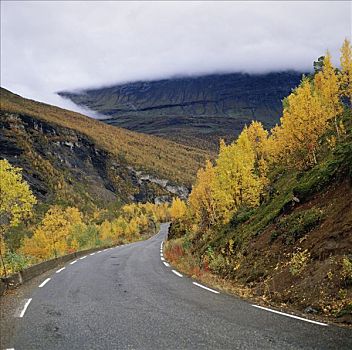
[(204, 287), (73, 262), (162, 259), (44, 283), (25, 307), (177, 273), (99, 252), (166, 264), (92, 254), (83, 257), (288, 315), (59, 270), (10, 349)]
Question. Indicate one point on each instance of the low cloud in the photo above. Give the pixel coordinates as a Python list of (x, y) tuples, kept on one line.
[(48, 46)]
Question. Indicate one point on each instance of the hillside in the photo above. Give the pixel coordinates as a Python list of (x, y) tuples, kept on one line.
[(142, 154), (195, 110), (271, 218), (293, 251)]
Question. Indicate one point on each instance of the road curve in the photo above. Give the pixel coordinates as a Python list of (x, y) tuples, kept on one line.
[(127, 298)]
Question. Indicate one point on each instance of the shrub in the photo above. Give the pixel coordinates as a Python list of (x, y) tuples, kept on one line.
[(15, 262), (217, 264), (296, 225), (299, 261), (347, 269)]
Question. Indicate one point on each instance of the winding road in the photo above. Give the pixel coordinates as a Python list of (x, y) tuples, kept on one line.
[(128, 297)]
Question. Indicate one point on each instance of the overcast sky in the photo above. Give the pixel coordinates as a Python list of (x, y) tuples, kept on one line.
[(48, 46)]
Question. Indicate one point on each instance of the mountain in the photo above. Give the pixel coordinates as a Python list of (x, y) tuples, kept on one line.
[(193, 110), (71, 158)]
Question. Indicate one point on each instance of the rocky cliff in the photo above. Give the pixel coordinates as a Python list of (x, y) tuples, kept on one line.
[(194, 110), (63, 164)]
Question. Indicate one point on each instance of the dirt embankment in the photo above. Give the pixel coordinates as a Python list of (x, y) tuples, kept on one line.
[(302, 261)]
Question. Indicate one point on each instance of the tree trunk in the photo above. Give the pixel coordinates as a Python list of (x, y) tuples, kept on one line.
[(2, 258)]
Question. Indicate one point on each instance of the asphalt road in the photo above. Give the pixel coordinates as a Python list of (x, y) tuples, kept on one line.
[(127, 298)]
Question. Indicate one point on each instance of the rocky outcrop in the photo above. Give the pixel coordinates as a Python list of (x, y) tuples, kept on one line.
[(193, 110), (60, 163)]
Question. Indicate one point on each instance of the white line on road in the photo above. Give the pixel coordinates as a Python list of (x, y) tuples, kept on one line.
[(204, 287), (162, 259), (83, 257), (177, 273), (73, 262), (292, 316), (92, 254), (44, 283), (22, 312), (166, 264), (99, 252), (25, 307), (59, 270)]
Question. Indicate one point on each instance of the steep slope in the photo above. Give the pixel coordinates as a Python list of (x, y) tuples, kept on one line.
[(293, 251), (154, 155), (72, 158), (196, 110)]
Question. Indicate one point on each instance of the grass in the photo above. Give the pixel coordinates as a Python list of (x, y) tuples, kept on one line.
[(296, 225)]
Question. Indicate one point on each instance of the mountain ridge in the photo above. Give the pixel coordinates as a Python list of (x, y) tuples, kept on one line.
[(191, 110)]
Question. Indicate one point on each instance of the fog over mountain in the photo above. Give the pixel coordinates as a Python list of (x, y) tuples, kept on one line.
[(49, 46)]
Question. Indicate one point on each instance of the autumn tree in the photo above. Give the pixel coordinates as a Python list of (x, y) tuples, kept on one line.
[(16, 201), (327, 89), (346, 71), (201, 199), (51, 238), (258, 138), (236, 183), (106, 232), (178, 208)]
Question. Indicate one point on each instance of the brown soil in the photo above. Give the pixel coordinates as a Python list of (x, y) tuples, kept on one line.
[(320, 286)]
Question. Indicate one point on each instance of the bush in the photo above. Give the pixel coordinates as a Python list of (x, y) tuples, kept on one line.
[(297, 225), (217, 264), (15, 262), (241, 216), (347, 269), (299, 261), (336, 166)]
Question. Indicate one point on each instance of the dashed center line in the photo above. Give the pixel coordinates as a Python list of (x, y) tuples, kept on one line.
[(162, 259), (59, 270), (204, 287), (73, 262), (288, 315), (166, 264), (44, 283), (92, 254), (83, 257), (177, 273), (20, 313)]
